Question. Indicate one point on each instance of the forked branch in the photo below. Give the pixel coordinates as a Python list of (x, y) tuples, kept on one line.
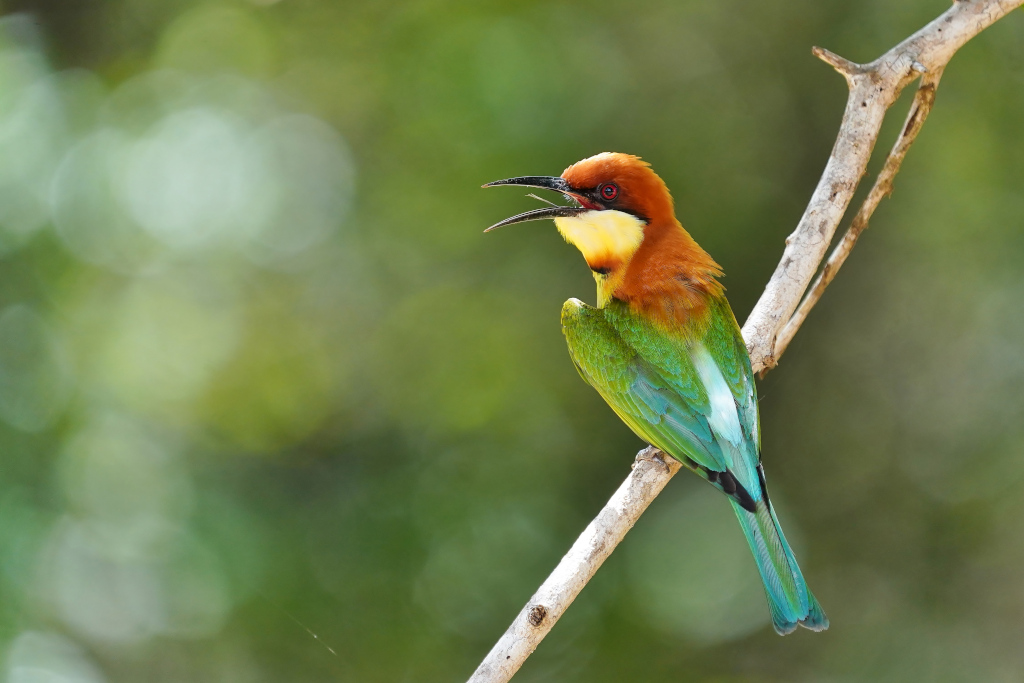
[(874, 87), (919, 110)]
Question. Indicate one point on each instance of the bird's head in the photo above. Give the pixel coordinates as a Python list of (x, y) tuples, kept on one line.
[(622, 219), (614, 197)]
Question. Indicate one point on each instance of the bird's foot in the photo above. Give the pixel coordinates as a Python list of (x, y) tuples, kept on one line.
[(654, 455)]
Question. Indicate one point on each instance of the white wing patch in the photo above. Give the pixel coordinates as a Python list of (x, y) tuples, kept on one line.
[(724, 418)]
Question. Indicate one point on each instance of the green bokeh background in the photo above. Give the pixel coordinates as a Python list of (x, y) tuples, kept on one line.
[(262, 376)]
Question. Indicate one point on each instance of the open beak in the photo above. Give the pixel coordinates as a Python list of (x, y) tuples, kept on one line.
[(543, 183)]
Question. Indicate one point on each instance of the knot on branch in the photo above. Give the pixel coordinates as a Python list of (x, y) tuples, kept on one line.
[(769, 361)]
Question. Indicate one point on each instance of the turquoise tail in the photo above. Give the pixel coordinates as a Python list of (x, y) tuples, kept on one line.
[(789, 598)]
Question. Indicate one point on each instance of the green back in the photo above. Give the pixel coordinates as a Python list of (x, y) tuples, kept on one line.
[(689, 392)]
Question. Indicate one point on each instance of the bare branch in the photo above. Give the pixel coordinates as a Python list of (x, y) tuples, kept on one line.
[(844, 66), (919, 110), (874, 87), (651, 471)]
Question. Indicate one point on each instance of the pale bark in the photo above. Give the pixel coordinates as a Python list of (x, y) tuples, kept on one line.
[(874, 87), (651, 471)]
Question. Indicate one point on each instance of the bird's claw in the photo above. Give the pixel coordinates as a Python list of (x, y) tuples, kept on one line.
[(654, 455)]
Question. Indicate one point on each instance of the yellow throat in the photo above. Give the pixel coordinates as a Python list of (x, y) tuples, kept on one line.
[(607, 240)]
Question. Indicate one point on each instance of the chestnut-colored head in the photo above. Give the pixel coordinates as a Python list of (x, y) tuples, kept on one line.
[(621, 182), (624, 223)]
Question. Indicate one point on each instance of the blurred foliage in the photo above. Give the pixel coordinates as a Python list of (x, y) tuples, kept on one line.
[(261, 376)]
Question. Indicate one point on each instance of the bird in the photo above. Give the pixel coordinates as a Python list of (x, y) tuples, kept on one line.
[(663, 349)]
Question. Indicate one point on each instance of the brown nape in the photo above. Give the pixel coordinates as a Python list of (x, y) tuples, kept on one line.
[(669, 278)]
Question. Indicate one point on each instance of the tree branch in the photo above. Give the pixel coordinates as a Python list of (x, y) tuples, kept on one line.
[(919, 110), (651, 471), (874, 87)]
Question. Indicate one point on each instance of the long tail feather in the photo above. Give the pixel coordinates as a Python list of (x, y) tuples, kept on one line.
[(789, 598)]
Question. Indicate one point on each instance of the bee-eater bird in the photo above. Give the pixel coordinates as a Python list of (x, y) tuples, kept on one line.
[(664, 350)]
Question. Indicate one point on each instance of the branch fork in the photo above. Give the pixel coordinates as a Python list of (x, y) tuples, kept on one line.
[(783, 306)]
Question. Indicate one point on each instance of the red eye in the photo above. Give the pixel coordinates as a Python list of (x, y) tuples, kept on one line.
[(609, 191)]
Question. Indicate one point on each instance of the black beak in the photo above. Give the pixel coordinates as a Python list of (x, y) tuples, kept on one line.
[(543, 183)]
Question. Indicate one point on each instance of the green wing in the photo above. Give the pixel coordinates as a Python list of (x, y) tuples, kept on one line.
[(691, 397)]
